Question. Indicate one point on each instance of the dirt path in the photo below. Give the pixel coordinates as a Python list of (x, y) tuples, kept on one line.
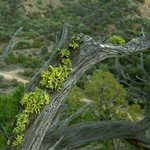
[(13, 74)]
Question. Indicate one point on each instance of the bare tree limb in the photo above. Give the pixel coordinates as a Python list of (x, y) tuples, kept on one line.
[(53, 148), (10, 45), (81, 133)]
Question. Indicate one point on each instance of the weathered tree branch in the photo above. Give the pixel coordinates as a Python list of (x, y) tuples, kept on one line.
[(79, 134), (52, 60), (83, 58), (10, 45)]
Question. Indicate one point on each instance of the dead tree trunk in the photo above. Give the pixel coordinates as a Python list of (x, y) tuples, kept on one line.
[(88, 54)]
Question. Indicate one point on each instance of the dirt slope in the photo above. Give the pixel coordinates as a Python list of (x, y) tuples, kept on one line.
[(13, 75)]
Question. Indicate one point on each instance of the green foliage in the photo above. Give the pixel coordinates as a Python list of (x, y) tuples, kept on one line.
[(24, 60), (74, 99), (110, 97), (3, 141), (44, 50), (103, 88), (102, 82), (10, 103), (23, 45), (141, 1), (9, 107), (75, 102), (116, 40), (83, 20), (37, 43), (7, 83)]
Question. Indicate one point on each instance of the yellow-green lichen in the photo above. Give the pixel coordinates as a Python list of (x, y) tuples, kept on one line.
[(54, 77), (74, 42), (18, 140), (32, 103), (116, 40), (22, 121)]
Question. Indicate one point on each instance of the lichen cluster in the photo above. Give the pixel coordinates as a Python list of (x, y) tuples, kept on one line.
[(116, 40), (32, 103), (74, 42), (51, 79)]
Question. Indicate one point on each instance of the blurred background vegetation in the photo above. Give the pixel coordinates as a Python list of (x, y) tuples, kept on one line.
[(42, 21)]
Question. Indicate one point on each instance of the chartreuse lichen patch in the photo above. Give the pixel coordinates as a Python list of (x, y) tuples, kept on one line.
[(54, 77), (116, 40), (32, 103), (74, 42)]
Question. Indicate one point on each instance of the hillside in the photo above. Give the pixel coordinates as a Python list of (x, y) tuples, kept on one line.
[(42, 22)]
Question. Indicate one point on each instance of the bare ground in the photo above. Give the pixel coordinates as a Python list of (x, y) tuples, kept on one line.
[(13, 74), (145, 9)]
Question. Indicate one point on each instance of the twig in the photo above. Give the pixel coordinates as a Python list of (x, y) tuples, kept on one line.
[(143, 33), (115, 146), (135, 89), (53, 148), (73, 116), (142, 64)]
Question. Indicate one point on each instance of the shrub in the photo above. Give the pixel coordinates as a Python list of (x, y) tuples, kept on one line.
[(141, 1), (44, 50), (9, 107), (23, 45), (37, 43)]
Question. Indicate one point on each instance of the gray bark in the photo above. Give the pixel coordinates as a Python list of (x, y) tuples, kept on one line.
[(88, 54), (79, 134)]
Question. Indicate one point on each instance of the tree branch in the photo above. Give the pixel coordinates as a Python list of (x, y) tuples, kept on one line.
[(82, 58), (10, 45), (81, 133)]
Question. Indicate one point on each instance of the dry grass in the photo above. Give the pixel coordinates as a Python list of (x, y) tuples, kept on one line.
[(145, 9)]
